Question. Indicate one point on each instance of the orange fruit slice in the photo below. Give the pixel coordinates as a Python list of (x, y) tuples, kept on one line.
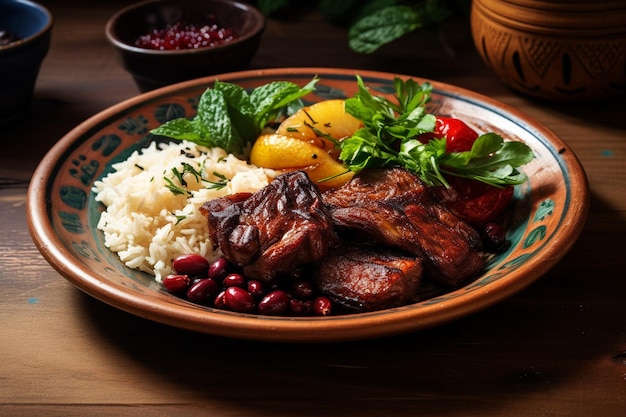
[(284, 153), (321, 124)]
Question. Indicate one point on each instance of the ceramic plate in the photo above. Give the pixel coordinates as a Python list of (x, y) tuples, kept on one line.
[(549, 213)]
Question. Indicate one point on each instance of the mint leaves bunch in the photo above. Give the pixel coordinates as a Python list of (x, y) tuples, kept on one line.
[(390, 137), (230, 118)]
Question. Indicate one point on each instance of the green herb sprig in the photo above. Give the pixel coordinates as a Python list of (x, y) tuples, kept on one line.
[(388, 138), (179, 187)]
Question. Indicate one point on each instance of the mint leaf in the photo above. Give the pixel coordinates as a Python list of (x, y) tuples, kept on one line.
[(382, 27), (181, 129), (269, 100), (384, 24), (241, 113), (213, 115)]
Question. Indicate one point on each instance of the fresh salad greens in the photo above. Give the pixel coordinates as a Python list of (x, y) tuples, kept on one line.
[(230, 118), (390, 137)]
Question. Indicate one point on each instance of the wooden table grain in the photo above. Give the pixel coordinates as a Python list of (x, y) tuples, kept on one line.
[(557, 348)]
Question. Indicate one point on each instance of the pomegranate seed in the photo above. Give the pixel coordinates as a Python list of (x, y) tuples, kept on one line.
[(202, 290), (239, 300), (191, 264), (234, 280), (176, 283), (274, 303), (322, 306)]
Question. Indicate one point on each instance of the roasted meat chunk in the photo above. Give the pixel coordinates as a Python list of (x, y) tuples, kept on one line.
[(393, 207), (368, 279), (275, 230)]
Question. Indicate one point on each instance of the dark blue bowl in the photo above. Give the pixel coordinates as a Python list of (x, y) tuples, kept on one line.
[(30, 24)]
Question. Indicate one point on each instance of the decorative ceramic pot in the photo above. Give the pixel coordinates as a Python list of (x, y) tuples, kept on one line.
[(560, 50)]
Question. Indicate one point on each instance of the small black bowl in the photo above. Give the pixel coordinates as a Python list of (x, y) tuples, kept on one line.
[(156, 68), (30, 26)]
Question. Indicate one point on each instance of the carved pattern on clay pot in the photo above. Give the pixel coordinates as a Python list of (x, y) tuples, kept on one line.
[(543, 62)]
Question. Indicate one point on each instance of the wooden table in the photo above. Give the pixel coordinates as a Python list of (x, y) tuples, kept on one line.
[(556, 349)]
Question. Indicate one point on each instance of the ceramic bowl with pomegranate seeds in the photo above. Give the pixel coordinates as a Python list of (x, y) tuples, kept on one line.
[(161, 42)]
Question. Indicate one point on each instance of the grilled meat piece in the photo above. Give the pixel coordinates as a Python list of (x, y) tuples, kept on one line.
[(275, 230), (368, 279), (395, 208)]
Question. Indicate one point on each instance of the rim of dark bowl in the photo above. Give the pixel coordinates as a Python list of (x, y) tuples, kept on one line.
[(39, 33)]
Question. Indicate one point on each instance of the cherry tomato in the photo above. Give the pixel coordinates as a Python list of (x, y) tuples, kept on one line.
[(473, 201), (459, 136)]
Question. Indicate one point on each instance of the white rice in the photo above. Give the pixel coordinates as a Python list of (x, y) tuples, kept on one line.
[(146, 224)]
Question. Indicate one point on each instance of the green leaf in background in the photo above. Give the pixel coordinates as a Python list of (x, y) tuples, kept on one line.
[(382, 27), (374, 23)]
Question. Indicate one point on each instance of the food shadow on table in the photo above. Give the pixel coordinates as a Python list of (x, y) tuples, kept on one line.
[(530, 343)]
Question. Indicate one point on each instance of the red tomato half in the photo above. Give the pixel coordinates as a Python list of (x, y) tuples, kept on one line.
[(473, 201), (459, 136)]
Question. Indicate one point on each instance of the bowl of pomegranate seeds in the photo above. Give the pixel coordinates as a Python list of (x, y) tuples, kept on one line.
[(162, 42), (25, 29)]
